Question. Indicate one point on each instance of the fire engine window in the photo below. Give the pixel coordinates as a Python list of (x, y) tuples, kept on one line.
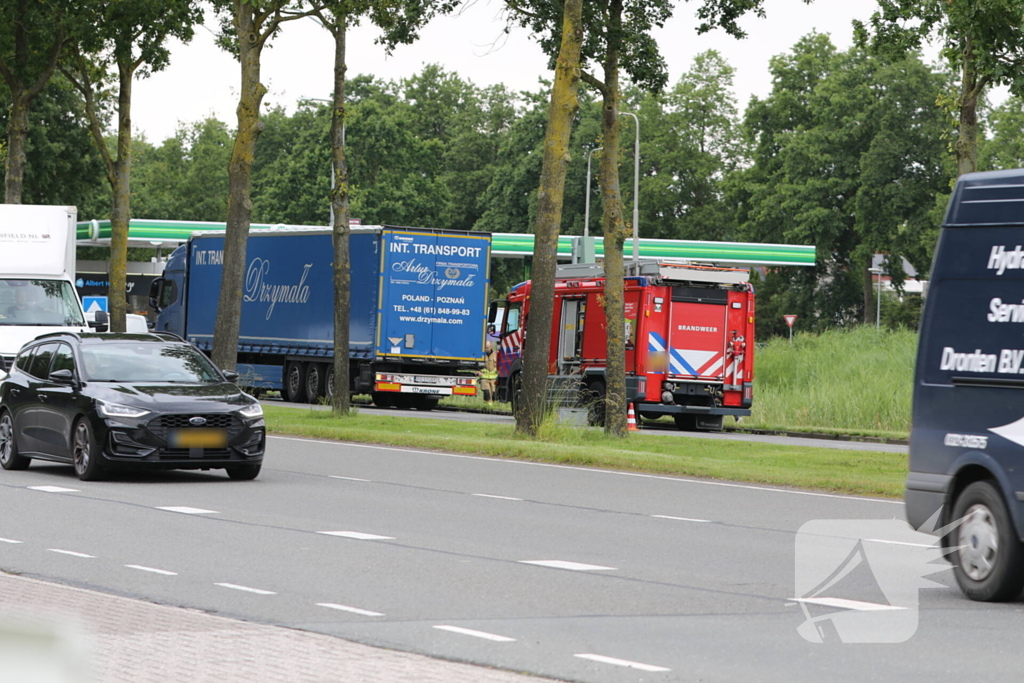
[(512, 318)]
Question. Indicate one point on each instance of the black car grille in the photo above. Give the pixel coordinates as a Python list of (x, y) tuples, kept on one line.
[(160, 426)]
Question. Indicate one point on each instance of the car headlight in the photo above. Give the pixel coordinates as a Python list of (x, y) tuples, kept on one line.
[(117, 410), (251, 410)]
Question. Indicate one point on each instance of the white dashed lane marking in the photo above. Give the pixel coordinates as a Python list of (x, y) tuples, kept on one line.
[(234, 586), (334, 476), (623, 662), (189, 511), (70, 552), (680, 519), (8, 540), (488, 495), (358, 535), (843, 603), (476, 634), (52, 489), (353, 610), (572, 566), (151, 569)]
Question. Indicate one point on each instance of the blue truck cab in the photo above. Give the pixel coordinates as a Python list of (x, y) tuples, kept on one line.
[(966, 473), (417, 320)]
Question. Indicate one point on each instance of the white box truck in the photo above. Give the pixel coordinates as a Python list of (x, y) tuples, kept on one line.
[(37, 270)]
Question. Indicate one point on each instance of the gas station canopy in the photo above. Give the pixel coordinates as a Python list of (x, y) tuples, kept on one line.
[(168, 234)]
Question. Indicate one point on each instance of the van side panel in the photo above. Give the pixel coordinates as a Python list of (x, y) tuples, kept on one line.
[(968, 405)]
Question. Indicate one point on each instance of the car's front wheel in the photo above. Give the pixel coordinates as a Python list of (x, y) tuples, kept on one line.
[(989, 558), (10, 459), (85, 452), (244, 472)]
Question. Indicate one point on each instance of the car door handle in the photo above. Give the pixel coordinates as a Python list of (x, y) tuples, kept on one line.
[(15, 392), (43, 397)]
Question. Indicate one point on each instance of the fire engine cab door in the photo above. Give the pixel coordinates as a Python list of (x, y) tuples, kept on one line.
[(697, 339), (570, 336)]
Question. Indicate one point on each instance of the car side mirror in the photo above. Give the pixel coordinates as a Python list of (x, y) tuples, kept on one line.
[(62, 377), (100, 321), (231, 375)]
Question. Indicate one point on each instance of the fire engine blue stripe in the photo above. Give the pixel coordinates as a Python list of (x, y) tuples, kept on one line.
[(678, 360), (654, 342)]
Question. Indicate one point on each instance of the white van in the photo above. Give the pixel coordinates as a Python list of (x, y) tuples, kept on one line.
[(37, 267)]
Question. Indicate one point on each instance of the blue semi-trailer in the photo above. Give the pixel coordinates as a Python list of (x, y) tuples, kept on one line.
[(417, 322)]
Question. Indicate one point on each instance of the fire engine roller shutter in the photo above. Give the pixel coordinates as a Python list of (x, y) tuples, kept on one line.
[(700, 295)]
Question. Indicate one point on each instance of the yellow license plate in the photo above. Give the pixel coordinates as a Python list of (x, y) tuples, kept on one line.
[(198, 438)]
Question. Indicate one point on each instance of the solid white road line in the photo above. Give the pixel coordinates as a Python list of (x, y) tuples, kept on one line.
[(572, 566), (507, 461), (52, 489), (353, 610), (488, 495), (8, 540), (843, 603), (189, 511), (358, 535), (150, 569), (236, 587), (70, 552), (623, 662), (334, 476), (912, 545), (680, 519), (476, 634)]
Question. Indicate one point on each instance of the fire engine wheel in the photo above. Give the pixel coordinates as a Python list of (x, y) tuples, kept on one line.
[(383, 399), (294, 382), (314, 382), (593, 399), (989, 556), (685, 422), (515, 391)]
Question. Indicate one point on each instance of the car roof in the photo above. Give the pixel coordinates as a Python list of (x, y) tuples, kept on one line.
[(108, 337)]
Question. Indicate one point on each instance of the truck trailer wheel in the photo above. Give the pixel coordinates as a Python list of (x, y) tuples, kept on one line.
[(989, 561), (383, 399), (314, 382), (294, 382), (425, 403)]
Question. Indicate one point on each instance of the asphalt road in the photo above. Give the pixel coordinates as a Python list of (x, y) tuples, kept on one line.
[(662, 430), (571, 573)]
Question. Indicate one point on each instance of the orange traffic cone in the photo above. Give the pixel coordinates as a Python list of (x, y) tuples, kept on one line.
[(631, 420)]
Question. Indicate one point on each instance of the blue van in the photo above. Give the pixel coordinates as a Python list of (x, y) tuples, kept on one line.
[(967, 435)]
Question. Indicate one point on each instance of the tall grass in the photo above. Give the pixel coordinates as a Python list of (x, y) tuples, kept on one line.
[(857, 379)]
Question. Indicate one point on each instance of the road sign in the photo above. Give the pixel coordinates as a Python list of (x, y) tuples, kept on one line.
[(94, 303), (790, 319)]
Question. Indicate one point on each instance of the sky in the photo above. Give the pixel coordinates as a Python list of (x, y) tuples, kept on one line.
[(203, 80)]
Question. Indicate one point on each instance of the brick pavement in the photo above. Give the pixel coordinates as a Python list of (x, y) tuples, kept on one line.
[(140, 642)]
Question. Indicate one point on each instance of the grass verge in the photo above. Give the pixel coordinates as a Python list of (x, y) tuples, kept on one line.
[(859, 472)]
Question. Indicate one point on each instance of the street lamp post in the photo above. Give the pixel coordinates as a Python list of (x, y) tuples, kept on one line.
[(636, 193), (878, 307), (586, 205)]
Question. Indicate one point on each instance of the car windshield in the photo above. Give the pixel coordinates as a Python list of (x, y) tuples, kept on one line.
[(39, 302), (146, 362)]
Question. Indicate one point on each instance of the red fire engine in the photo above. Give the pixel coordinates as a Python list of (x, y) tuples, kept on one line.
[(689, 341)]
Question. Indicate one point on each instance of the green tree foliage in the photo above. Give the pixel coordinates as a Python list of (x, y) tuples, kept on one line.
[(184, 177), (1005, 148), (62, 165), (980, 40), (848, 155)]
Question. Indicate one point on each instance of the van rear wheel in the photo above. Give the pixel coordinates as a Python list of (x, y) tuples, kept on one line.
[(989, 560)]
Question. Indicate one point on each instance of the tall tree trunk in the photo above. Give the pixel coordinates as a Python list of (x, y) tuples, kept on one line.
[(564, 104), (120, 213), (970, 92), (236, 234), (614, 234), (341, 401), (17, 138)]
